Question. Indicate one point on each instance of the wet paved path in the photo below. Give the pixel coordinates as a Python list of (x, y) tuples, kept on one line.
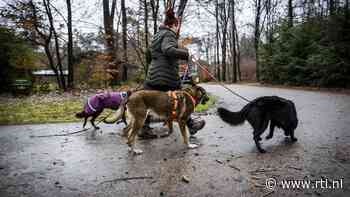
[(226, 163)]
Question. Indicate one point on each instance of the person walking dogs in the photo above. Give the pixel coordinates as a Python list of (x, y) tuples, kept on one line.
[(163, 73)]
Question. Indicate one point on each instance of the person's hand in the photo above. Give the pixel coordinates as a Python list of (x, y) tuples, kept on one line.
[(190, 56)]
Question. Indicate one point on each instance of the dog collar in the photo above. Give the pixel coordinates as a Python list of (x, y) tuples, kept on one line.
[(123, 95)]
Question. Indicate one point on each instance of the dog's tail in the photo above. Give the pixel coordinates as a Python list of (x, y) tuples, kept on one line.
[(80, 114), (233, 118)]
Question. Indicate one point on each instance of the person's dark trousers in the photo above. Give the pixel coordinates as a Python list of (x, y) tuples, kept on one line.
[(162, 88), (146, 131), (193, 125)]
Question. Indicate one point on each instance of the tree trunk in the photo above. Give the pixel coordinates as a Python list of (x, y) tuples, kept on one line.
[(347, 11), (117, 36), (181, 9), (290, 13), (52, 65), (217, 40), (257, 36), (146, 34), (57, 49), (70, 47), (234, 55), (108, 18), (146, 22), (238, 54), (332, 7), (224, 19), (269, 26), (124, 37), (155, 10)]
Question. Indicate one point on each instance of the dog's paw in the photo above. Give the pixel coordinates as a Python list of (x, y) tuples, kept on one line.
[(135, 151), (192, 146), (268, 137), (262, 150), (294, 139), (138, 151)]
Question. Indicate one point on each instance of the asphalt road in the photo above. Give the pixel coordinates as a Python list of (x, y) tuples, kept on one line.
[(225, 164)]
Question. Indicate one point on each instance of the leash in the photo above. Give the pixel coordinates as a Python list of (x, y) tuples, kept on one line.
[(71, 133), (205, 69)]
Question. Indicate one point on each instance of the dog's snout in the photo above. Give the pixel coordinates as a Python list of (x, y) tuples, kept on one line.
[(205, 99)]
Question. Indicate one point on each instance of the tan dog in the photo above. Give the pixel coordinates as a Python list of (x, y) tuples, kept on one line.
[(170, 106)]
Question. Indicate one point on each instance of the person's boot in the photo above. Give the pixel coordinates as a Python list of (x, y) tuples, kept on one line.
[(146, 131), (195, 125)]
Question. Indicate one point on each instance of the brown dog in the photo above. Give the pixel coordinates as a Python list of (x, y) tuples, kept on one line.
[(170, 106)]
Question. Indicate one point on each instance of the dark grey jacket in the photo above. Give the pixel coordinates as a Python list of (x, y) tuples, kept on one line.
[(164, 69)]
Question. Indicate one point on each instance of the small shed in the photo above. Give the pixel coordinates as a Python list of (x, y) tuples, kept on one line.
[(46, 75)]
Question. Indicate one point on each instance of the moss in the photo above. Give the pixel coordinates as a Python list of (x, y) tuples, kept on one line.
[(211, 102)]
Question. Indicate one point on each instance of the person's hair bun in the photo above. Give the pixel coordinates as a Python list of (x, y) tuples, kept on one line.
[(170, 18)]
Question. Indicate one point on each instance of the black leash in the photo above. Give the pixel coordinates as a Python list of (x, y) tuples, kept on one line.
[(205, 69), (71, 133)]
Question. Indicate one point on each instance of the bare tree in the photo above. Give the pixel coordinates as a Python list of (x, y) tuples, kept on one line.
[(146, 21), (147, 54), (257, 32), (70, 46), (217, 35), (29, 17), (124, 38), (238, 54), (290, 13), (234, 43), (47, 6), (347, 11), (108, 18), (155, 10), (332, 7), (224, 16)]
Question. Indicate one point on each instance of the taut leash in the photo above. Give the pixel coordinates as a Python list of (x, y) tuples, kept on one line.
[(220, 83)]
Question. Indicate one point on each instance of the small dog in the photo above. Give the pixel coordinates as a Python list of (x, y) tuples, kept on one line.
[(278, 111), (97, 103), (170, 106)]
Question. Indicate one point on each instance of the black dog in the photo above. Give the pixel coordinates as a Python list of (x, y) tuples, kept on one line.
[(279, 111)]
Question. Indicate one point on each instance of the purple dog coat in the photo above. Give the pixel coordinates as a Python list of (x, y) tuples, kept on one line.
[(100, 101)]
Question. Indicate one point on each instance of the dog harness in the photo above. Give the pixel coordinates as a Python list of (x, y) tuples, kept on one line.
[(100, 101), (175, 103)]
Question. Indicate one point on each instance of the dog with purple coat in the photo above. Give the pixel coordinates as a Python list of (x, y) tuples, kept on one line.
[(95, 105)]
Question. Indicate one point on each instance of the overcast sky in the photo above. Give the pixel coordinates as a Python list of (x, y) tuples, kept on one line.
[(88, 16)]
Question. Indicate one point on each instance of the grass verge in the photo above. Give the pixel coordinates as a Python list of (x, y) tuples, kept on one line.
[(24, 111), (41, 110)]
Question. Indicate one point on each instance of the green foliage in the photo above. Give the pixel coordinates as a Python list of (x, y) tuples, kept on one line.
[(211, 102), (16, 58), (316, 53)]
